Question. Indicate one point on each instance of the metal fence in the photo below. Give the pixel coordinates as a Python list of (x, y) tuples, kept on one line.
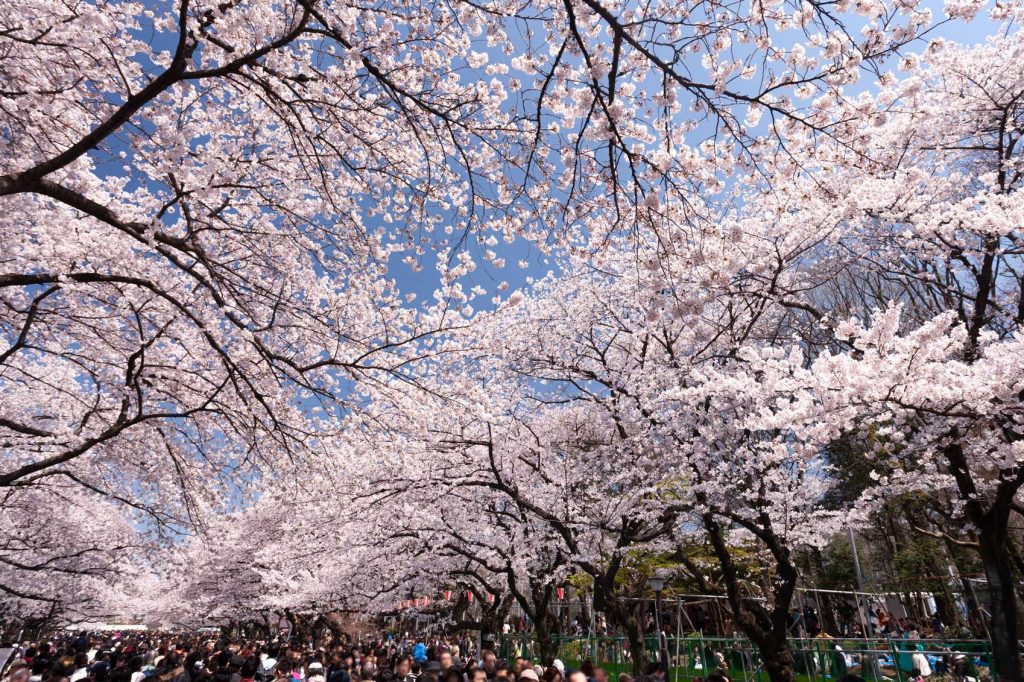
[(815, 660)]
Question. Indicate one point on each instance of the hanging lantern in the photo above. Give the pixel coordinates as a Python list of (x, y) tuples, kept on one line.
[(561, 592), (408, 603), (469, 596), (490, 598), (447, 595)]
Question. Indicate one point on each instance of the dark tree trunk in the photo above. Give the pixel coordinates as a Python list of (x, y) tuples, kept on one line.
[(777, 660), (767, 629), (1003, 625), (828, 615), (948, 612), (637, 648), (973, 607), (1017, 563), (624, 616), (547, 649), (826, 610), (992, 525), (537, 606)]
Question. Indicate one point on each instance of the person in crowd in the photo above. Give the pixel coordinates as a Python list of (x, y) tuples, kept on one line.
[(100, 668), (431, 672), (283, 671), (314, 668), (552, 674), (19, 674), (81, 667), (403, 669), (247, 673), (810, 621), (796, 623), (490, 663), (446, 661), (527, 675), (267, 664), (81, 642), (936, 624)]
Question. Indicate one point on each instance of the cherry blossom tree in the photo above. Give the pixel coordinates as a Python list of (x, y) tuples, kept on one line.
[(911, 212), (613, 408), (543, 482), (202, 211), (935, 214), (62, 553), (466, 538), (700, 437), (191, 281), (697, 343)]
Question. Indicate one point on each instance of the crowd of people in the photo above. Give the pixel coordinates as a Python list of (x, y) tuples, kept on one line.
[(149, 657)]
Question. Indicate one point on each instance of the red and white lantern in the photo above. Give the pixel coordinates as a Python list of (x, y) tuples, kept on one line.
[(560, 591), (447, 595)]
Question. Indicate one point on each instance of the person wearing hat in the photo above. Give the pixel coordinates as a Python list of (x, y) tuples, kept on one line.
[(431, 671), (315, 671), (962, 669), (528, 675)]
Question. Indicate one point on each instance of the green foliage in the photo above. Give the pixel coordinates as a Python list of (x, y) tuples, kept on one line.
[(838, 570), (851, 469)]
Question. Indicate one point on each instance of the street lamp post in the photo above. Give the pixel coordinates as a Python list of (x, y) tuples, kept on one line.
[(657, 584)]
